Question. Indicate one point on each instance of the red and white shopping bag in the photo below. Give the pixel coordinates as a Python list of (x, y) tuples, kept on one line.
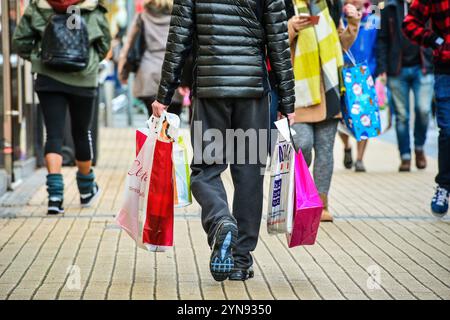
[(148, 211)]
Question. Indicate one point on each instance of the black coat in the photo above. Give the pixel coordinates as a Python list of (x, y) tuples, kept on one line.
[(389, 52), (228, 44)]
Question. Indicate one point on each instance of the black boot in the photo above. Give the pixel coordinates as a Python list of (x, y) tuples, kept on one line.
[(241, 274)]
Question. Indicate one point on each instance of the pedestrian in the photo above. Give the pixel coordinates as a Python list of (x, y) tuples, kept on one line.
[(363, 50), (154, 23), (59, 90), (406, 67), (229, 40), (437, 37), (316, 70)]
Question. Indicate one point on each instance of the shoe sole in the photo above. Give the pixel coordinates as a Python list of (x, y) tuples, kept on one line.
[(222, 263), (54, 211), (249, 276), (94, 198), (438, 215)]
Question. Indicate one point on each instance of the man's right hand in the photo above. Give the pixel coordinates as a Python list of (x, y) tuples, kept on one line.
[(158, 109)]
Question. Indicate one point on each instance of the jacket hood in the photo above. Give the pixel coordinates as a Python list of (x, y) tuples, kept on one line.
[(63, 5)]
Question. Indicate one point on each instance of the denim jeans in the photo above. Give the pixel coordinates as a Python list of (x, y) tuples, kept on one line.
[(411, 78), (442, 94)]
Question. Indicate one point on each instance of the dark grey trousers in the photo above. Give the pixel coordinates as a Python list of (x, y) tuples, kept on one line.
[(220, 115)]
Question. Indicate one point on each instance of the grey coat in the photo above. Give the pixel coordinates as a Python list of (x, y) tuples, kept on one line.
[(156, 30)]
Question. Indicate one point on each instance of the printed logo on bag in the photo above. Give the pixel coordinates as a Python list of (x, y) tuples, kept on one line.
[(284, 156), (276, 199), (137, 171)]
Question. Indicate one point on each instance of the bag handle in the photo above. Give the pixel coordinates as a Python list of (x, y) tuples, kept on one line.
[(350, 55)]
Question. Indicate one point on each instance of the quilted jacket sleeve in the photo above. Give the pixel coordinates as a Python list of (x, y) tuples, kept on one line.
[(179, 44), (276, 28)]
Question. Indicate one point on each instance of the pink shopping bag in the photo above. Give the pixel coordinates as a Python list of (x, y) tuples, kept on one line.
[(307, 207)]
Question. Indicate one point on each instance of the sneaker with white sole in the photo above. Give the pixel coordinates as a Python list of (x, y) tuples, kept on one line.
[(88, 199), (222, 263), (55, 206), (439, 204)]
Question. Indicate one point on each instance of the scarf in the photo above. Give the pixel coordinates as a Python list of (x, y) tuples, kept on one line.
[(62, 5), (318, 54)]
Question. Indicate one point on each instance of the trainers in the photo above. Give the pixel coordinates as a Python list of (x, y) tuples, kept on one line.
[(359, 166), (55, 206), (241, 274), (439, 204), (222, 263), (88, 198), (348, 160)]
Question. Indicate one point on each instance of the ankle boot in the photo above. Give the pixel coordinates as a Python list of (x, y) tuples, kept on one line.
[(326, 215), (55, 189)]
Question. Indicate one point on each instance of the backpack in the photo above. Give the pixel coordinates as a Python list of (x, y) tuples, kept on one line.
[(65, 47)]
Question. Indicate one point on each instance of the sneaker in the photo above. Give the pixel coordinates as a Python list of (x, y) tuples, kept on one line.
[(55, 206), (439, 204), (222, 263), (348, 160), (359, 166), (88, 199), (241, 274)]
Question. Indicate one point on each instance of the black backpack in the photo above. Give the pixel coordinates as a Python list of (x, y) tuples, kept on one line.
[(65, 47)]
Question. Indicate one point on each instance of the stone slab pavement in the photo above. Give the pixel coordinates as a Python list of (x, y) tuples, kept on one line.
[(383, 228)]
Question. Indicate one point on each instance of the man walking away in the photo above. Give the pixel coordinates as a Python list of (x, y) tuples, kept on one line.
[(407, 67), (229, 39), (438, 38)]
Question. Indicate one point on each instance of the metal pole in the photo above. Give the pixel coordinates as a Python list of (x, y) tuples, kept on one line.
[(130, 11)]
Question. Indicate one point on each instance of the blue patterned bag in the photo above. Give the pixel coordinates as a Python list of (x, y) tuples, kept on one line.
[(359, 103)]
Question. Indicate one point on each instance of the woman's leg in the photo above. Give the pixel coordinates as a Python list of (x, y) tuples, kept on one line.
[(54, 108), (348, 161), (324, 137), (81, 115), (304, 139)]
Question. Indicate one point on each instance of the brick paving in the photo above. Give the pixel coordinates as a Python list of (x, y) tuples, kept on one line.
[(382, 223)]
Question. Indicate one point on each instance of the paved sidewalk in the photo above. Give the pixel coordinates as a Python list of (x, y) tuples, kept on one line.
[(383, 226)]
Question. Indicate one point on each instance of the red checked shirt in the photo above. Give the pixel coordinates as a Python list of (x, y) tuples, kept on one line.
[(415, 28)]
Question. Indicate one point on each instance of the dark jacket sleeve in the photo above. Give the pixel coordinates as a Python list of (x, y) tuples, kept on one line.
[(179, 45), (276, 29), (383, 43), (24, 38)]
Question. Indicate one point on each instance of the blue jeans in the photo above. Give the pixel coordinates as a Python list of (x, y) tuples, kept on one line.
[(442, 94), (411, 78)]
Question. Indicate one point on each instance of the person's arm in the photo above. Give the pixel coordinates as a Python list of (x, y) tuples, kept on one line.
[(383, 43), (276, 30), (25, 37), (131, 38), (347, 35), (179, 44), (103, 44), (414, 25)]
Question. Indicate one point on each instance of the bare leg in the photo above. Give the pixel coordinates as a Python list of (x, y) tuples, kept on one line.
[(345, 140), (362, 145), (54, 163), (84, 167)]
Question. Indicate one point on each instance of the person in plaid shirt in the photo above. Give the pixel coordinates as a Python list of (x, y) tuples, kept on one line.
[(437, 36)]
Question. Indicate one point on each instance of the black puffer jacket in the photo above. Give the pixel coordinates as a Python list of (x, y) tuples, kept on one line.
[(229, 46)]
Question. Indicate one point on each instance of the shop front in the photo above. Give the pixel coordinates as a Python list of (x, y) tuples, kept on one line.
[(17, 108)]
